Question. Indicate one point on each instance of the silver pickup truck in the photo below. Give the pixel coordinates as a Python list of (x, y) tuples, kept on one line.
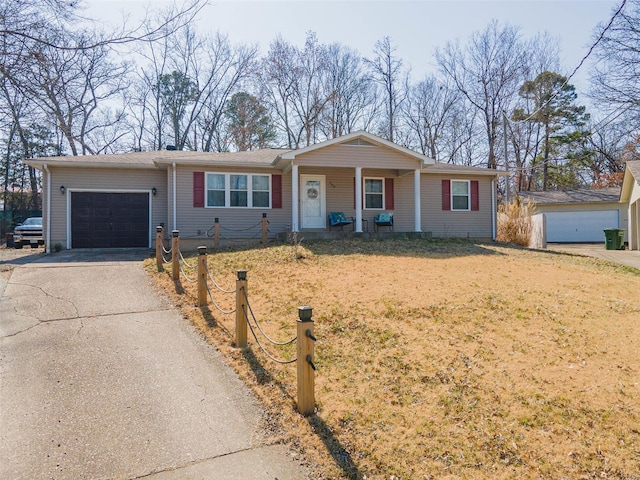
[(29, 232)]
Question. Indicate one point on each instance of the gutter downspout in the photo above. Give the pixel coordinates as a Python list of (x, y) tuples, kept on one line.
[(493, 210), (173, 191), (48, 236)]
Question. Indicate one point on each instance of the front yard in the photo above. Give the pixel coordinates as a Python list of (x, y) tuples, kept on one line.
[(443, 359)]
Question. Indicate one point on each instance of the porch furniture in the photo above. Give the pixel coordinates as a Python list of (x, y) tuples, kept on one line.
[(383, 220), (337, 219)]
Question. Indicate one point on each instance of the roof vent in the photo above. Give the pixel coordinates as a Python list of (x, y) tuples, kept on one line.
[(171, 147), (358, 142)]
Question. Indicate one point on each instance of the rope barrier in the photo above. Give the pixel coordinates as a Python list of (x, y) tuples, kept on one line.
[(165, 250), (216, 283), (164, 260), (241, 229), (185, 275), (185, 262), (226, 312), (260, 328), (282, 362)]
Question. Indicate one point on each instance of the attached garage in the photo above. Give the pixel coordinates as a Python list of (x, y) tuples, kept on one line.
[(579, 216), (109, 219)]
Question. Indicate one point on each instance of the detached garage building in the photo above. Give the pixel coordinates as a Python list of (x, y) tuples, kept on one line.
[(579, 216)]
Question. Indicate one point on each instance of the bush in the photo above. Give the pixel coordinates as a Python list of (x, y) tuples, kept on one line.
[(514, 222)]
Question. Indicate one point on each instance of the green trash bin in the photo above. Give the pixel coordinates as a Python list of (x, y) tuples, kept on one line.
[(614, 238)]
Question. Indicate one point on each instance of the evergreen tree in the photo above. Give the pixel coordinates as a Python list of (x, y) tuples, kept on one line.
[(563, 151), (249, 122)]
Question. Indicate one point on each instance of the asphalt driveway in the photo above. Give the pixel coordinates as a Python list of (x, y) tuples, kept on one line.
[(101, 378)]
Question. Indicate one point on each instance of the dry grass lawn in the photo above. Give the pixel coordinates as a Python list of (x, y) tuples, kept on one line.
[(444, 359)]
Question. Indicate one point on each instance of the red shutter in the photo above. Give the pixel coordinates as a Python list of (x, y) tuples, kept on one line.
[(475, 196), (276, 191), (388, 193), (446, 195), (198, 189)]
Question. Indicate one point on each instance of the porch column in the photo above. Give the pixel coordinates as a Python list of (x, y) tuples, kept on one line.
[(416, 201), (358, 199), (294, 198)]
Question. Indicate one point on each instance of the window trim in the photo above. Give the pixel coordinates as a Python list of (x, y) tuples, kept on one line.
[(468, 209), (227, 190), (364, 193)]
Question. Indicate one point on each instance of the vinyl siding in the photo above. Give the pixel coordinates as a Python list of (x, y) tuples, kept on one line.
[(79, 179), (443, 223), (358, 156), (194, 222)]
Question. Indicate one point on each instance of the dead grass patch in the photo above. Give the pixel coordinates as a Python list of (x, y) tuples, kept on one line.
[(444, 359)]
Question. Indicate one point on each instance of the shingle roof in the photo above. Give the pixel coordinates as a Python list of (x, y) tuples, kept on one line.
[(264, 157), (461, 169), (557, 197)]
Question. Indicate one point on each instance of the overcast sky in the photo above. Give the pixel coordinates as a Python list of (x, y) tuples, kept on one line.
[(417, 28)]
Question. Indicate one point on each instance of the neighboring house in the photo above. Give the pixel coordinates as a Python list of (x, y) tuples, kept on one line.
[(117, 200), (630, 198), (579, 216)]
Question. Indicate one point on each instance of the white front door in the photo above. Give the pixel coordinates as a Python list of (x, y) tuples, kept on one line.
[(312, 201)]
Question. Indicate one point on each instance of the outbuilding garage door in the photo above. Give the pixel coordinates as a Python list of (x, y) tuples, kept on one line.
[(109, 220), (579, 227)]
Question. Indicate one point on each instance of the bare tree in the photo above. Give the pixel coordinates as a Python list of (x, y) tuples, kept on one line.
[(429, 112), (488, 72), (615, 76), (293, 83), (351, 93), (184, 86), (71, 87), (387, 71)]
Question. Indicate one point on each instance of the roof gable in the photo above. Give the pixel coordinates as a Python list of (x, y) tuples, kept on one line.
[(631, 177), (359, 138)]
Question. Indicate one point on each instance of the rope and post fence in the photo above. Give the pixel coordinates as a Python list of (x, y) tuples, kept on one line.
[(159, 246), (202, 276), (265, 228), (306, 368), (175, 259), (245, 318), (241, 309)]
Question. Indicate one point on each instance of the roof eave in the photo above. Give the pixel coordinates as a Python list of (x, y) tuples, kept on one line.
[(39, 164)]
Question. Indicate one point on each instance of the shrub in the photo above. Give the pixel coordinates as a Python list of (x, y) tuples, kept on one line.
[(514, 222)]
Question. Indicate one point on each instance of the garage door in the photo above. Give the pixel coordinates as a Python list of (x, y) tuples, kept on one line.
[(109, 220), (579, 227)]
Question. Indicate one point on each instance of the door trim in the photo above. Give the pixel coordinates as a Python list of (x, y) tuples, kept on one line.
[(323, 195)]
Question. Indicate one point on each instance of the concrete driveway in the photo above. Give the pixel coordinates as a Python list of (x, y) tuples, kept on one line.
[(101, 378), (630, 258)]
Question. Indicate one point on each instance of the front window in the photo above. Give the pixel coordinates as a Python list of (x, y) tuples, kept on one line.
[(260, 190), (374, 193), (460, 196), (215, 190), (238, 190)]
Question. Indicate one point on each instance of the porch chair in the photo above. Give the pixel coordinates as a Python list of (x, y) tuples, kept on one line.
[(337, 219), (383, 220)]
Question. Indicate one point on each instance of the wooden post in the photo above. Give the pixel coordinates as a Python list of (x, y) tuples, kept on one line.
[(159, 235), (241, 309), (202, 276), (265, 228), (175, 255), (216, 230), (306, 368)]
